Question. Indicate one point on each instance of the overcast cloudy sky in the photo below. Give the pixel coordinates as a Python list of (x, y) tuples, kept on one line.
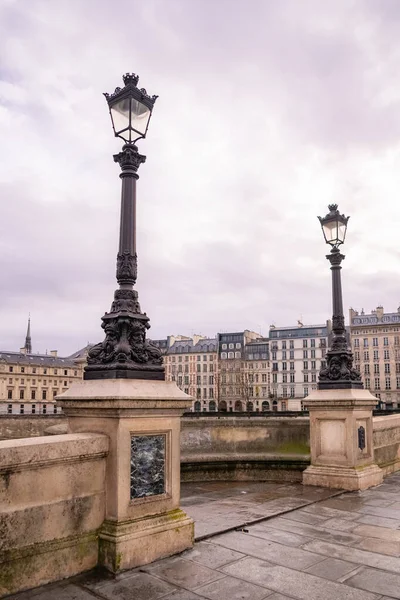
[(268, 110)]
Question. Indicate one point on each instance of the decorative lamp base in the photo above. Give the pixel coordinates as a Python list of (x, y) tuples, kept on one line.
[(125, 373)]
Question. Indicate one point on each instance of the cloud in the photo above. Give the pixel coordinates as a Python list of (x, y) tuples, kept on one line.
[(267, 112)]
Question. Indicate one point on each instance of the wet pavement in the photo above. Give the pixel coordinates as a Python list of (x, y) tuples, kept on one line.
[(305, 543)]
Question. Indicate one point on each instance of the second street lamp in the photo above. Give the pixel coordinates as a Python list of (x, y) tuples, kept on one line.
[(125, 352), (339, 372)]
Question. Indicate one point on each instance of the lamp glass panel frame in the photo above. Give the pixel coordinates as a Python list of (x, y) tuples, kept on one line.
[(130, 118)]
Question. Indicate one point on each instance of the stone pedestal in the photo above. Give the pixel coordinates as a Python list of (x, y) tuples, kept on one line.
[(142, 420), (342, 454)]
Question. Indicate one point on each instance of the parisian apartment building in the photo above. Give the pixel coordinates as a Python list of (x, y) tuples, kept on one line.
[(244, 374), (297, 354), (29, 382), (375, 340)]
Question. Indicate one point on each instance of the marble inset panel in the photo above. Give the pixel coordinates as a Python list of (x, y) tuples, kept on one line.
[(147, 465)]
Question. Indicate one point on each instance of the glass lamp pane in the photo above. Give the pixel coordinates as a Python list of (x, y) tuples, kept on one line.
[(140, 115), (342, 231), (330, 231), (120, 115)]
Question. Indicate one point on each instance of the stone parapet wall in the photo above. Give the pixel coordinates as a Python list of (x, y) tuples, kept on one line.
[(26, 426), (52, 502), (244, 448), (386, 442)]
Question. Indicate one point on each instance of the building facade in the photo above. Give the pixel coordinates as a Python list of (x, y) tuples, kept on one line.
[(375, 340), (192, 363), (29, 383), (297, 355), (243, 376)]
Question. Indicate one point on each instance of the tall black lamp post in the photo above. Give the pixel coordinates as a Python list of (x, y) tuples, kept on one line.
[(339, 372), (125, 352)]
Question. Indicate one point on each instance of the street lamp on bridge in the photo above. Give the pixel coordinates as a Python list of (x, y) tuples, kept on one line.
[(125, 352), (339, 372)]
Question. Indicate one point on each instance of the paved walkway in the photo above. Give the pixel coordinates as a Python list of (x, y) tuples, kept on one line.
[(343, 547)]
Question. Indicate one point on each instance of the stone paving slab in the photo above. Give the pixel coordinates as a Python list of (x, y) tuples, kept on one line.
[(320, 551)]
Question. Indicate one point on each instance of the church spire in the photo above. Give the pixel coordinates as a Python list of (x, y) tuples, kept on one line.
[(28, 341)]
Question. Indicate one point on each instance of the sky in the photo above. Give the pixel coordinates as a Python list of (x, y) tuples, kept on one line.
[(268, 111)]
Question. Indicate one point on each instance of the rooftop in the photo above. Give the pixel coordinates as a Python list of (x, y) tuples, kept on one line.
[(267, 541), (44, 360)]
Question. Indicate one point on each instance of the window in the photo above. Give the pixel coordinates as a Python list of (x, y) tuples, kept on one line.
[(44, 371), (292, 366), (305, 392), (376, 354), (22, 369), (284, 345), (55, 409), (21, 409), (305, 353), (396, 340), (284, 366), (75, 373), (291, 354), (55, 371), (284, 378), (387, 383), (204, 392), (65, 371), (398, 383), (313, 365), (366, 355), (376, 382), (376, 369), (312, 343), (21, 394), (9, 394), (312, 353), (231, 346), (238, 345), (33, 369), (356, 343), (198, 379), (387, 368), (306, 377), (33, 409), (186, 380), (365, 342), (33, 395), (274, 366), (274, 355), (211, 393), (386, 341), (223, 355), (283, 354), (305, 343), (284, 392), (366, 369), (305, 365), (386, 354), (291, 344), (55, 392), (274, 378), (367, 383), (11, 369), (313, 377), (198, 393), (291, 377), (44, 395), (231, 355), (292, 392), (44, 409), (9, 409), (22, 381), (237, 355), (356, 355), (375, 341), (224, 346)]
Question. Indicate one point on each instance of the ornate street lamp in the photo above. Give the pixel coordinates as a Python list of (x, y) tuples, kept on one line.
[(339, 372), (125, 352)]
